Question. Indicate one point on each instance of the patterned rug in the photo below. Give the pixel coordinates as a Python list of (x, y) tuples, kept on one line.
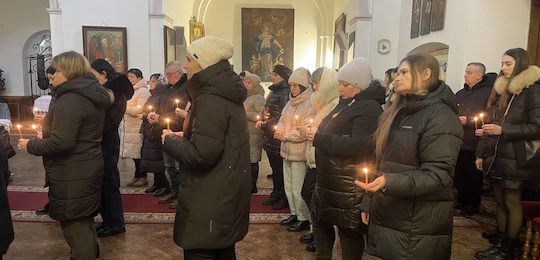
[(143, 208)]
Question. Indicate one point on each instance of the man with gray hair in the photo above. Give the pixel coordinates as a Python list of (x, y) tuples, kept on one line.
[(174, 97), (472, 100)]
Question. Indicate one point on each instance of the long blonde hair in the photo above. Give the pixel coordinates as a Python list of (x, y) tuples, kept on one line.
[(417, 63)]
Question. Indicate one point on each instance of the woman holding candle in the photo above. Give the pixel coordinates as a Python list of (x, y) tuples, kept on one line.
[(295, 116), (152, 153), (71, 150), (121, 89), (502, 153), (342, 145), (254, 106), (417, 144), (130, 138)]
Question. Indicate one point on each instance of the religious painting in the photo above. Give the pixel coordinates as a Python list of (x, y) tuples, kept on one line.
[(196, 31), (339, 53), (438, 13), (415, 18), (267, 40), (109, 43), (169, 39), (425, 21)]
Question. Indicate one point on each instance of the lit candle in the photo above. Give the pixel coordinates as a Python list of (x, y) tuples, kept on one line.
[(138, 106), (310, 121), (150, 108), (258, 117), (275, 127), (168, 121), (296, 117), (365, 170), (20, 133), (35, 128), (177, 101), (475, 123), (481, 118)]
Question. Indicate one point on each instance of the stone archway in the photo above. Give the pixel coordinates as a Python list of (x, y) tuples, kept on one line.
[(36, 55), (439, 50)]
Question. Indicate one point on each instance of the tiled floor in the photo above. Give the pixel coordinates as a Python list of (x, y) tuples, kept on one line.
[(154, 241)]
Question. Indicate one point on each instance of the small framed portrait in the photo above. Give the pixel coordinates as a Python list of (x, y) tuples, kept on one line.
[(196, 31), (109, 43), (169, 38)]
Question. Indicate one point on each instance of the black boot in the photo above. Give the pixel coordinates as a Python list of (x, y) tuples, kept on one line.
[(274, 197), (487, 253), (281, 203), (490, 233), (506, 251)]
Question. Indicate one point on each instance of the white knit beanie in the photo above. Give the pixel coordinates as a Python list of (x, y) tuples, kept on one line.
[(300, 77), (357, 73), (209, 50)]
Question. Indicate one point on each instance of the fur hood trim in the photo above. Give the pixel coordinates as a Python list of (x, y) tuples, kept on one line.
[(521, 81)]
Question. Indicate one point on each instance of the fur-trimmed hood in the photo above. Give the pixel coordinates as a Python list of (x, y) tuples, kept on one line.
[(328, 89), (521, 81)]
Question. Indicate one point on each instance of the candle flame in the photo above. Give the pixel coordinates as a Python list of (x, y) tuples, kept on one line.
[(19, 126), (167, 120), (275, 127), (481, 115), (138, 106), (311, 121), (177, 101), (258, 117), (475, 118), (296, 117), (365, 170), (34, 127)]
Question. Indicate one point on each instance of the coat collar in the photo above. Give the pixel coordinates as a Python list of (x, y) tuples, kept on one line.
[(521, 81)]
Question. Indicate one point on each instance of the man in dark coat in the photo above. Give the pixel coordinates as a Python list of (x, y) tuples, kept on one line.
[(6, 227), (472, 100), (277, 99), (166, 110), (213, 151)]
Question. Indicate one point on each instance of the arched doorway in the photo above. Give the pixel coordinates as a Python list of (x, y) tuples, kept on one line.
[(36, 56), (439, 50)]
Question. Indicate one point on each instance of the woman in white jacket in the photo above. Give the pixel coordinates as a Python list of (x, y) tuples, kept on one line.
[(130, 137), (294, 117)]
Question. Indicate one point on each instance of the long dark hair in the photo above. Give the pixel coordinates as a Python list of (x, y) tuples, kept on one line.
[(103, 66), (522, 63)]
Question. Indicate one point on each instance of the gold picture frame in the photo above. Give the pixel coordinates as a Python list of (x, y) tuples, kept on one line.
[(196, 31)]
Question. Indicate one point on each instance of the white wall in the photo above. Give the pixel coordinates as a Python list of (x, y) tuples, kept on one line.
[(385, 25), (132, 14), (18, 21), (479, 30)]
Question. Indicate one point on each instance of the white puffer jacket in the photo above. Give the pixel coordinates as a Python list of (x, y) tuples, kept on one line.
[(130, 138)]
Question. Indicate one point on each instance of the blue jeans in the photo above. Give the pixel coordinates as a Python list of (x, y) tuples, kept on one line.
[(172, 169)]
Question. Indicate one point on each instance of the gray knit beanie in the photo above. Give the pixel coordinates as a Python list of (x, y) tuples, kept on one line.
[(254, 78), (209, 50), (357, 73)]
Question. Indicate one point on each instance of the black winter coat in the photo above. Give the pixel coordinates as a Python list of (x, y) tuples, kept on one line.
[(122, 91), (215, 181), (342, 143), (152, 153), (72, 156), (521, 124), (412, 217), (275, 103), (167, 105), (6, 226), (472, 102)]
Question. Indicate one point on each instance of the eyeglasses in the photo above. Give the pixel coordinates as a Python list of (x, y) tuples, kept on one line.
[(168, 74)]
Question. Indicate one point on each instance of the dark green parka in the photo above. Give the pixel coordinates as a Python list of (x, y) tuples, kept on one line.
[(71, 147), (412, 218), (215, 180)]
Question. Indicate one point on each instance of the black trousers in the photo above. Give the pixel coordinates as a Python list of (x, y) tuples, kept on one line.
[(352, 241), (254, 175), (160, 180), (138, 173), (227, 253), (276, 163), (111, 202), (468, 180), (309, 185)]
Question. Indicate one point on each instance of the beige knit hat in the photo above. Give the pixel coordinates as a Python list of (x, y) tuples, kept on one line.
[(357, 73), (254, 78), (209, 50), (300, 77)]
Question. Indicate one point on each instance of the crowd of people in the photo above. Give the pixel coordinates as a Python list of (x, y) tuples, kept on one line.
[(377, 161)]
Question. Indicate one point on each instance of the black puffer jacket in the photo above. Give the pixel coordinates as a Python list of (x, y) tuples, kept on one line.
[(412, 218), (167, 105), (275, 103), (72, 156), (471, 102), (521, 124), (215, 183), (6, 226), (152, 154), (344, 141)]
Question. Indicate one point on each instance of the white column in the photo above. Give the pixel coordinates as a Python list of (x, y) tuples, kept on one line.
[(57, 27), (156, 20)]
